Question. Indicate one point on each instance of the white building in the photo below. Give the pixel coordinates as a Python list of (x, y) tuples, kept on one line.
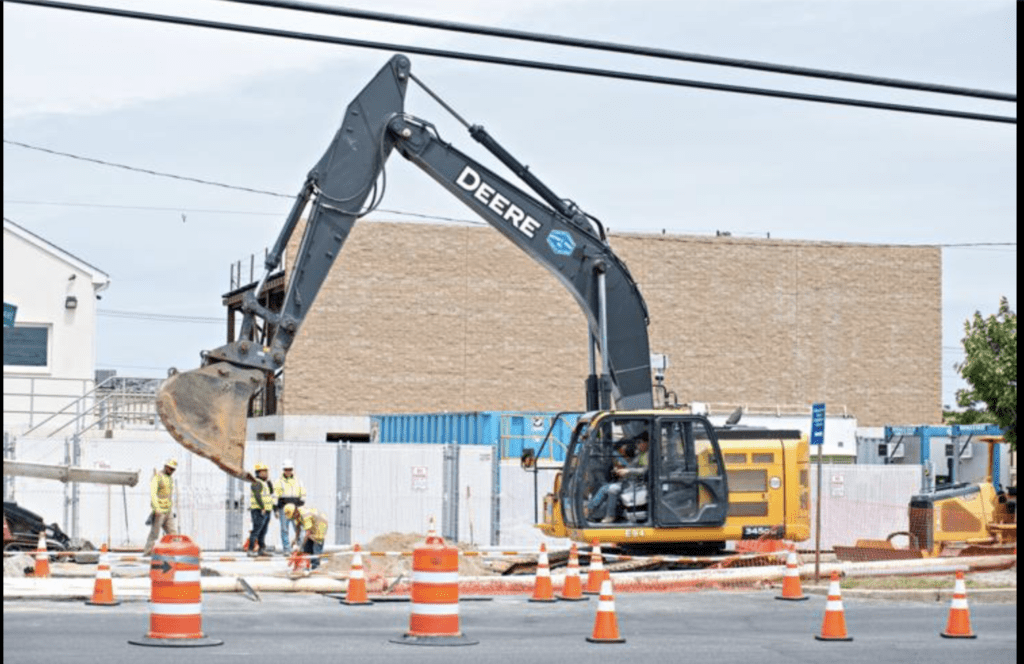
[(50, 353)]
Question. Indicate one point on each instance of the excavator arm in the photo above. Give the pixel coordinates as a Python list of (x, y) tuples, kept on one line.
[(205, 409)]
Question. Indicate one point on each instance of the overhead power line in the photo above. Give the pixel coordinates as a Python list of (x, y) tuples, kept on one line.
[(528, 64), (630, 49), (754, 237), (166, 318)]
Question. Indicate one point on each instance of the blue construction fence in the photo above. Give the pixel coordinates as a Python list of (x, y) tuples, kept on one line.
[(508, 431)]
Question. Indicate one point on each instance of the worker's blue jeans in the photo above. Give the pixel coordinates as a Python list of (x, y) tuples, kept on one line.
[(314, 549), (605, 502), (286, 526), (258, 536)]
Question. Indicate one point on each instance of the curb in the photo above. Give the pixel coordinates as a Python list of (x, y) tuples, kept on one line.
[(974, 595)]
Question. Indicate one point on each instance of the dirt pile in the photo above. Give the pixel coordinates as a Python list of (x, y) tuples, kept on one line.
[(14, 566), (390, 567)]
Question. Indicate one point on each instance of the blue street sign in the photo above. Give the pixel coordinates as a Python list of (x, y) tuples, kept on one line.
[(818, 424), (10, 311)]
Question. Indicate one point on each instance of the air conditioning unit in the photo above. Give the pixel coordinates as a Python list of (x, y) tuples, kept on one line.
[(965, 449)]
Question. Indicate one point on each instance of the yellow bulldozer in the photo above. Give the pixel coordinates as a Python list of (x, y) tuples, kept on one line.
[(967, 519)]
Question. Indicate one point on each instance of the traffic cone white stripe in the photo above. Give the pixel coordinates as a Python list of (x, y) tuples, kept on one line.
[(356, 573), (834, 605), (543, 571), (606, 605), (958, 603), (103, 574), (573, 571), (960, 588)]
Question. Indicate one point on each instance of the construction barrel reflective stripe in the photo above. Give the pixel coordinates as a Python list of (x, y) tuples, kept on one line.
[(176, 603)]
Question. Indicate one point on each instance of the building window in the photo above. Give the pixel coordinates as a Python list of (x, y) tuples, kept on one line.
[(26, 346)]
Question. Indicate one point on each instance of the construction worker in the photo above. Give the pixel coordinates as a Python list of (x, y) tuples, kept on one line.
[(261, 503), (161, 516), (314, 527), (289, 491)]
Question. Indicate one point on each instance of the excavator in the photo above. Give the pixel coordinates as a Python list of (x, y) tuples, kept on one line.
[(686, 475)]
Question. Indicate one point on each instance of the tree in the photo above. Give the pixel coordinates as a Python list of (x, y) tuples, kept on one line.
[(990, 367)]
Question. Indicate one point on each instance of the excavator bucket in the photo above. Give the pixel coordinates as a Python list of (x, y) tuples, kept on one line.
[(205, 410)]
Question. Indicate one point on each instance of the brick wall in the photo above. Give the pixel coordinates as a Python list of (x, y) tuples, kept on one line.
[(422, 318)]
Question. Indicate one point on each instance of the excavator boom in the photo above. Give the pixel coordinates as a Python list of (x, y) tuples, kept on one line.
[(205, 409)]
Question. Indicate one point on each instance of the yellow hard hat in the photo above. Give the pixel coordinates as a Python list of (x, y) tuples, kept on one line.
[(289, 510), (171, 463), (261, 466)]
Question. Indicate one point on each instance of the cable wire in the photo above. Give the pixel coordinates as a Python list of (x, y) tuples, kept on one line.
[(528, 64), (631, 49)]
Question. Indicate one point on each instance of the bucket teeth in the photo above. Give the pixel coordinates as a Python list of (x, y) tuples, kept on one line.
[(205, 410)]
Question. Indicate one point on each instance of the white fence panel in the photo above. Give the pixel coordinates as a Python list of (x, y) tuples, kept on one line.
[(395, 488)]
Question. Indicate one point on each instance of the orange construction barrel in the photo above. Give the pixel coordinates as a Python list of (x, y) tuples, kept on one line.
[(176, 606), (434, 619)]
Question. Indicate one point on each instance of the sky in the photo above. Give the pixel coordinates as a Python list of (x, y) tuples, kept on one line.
[(258, 112)]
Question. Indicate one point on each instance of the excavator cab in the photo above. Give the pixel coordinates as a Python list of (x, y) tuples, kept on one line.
[(650, 470)]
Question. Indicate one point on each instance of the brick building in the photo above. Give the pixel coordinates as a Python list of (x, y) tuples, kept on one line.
[(424, 318)]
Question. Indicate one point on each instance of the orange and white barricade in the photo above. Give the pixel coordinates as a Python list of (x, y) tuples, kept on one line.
[(572, 589), (959, 624), (597, 573), (42, 567), (606, 625), (103, 589), (356, 593), (434, 618), (543, 591), (833, 627), (176, 602), (791, 589)]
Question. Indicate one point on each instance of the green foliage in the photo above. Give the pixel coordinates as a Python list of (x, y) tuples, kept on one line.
[(990, 367), (969, 416)]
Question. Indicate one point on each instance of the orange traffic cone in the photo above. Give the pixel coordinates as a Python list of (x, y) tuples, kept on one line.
[(356, 593), (542, 590), (42, 568), (959, 625), (791, 581), (103, 589), (597, 573), (572, 589), (606, 626), (834, 626)]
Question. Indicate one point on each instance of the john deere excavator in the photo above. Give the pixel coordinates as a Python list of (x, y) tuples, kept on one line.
[(205, 409)]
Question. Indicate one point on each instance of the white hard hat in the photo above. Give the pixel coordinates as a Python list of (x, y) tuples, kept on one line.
[(287, 465)]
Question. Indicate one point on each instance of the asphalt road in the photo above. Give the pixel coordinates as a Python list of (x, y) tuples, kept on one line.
[(697, 627)]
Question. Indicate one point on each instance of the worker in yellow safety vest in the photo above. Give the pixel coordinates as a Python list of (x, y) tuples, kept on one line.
[(261, 503), (289, 490), (161, 514), (314, 526)]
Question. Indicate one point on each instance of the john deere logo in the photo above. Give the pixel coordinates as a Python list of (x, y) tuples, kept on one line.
[(561, 243)]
